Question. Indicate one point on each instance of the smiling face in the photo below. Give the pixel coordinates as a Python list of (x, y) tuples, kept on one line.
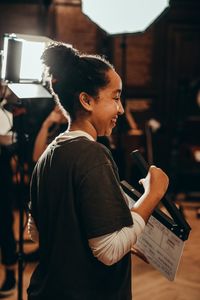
[(106, 108)]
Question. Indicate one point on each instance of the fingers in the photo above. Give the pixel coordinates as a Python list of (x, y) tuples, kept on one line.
[(32, 229), (139, 254), (141, 181), (155, 182)]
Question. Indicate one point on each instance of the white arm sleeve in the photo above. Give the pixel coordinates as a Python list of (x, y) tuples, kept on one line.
[(110, 248)]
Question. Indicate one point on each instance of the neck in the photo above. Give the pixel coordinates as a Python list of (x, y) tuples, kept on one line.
[(84, 125)]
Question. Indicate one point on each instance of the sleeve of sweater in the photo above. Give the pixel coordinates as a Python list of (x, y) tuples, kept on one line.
[(110, 248)]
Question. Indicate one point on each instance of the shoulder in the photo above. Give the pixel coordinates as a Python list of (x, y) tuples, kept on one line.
[(92, 152), (86, 155), (79, 153), (84, 147)]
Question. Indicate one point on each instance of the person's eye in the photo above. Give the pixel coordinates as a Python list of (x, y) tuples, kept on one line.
[(117, 98)]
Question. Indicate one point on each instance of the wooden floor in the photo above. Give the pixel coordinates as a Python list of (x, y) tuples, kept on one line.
[(147, 283)]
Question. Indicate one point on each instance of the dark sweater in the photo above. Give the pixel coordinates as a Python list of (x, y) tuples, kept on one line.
[(76, 195)]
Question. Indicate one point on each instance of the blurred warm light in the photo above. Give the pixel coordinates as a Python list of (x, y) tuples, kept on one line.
[(115, 16)]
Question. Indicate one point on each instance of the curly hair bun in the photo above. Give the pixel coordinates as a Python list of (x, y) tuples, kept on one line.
[(60, 58), (72, 73)]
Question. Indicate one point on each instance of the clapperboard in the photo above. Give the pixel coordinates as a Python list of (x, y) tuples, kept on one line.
[(163, 238)]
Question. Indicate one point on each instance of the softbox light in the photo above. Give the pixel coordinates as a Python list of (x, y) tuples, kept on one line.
[(22, 68), (128, 16)]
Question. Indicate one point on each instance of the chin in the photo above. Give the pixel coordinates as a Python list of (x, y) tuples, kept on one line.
[(108, 133)]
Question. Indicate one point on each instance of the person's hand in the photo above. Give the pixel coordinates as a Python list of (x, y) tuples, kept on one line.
[(32, 229), (139, 254), (155, 183), (55, 117)]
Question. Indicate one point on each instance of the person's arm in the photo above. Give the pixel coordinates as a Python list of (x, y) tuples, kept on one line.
[(110, 248), (155, 185), (41, 141), (32, 229), (107, 248)]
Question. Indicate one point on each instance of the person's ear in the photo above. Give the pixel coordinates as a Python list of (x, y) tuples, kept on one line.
[(85, 101)]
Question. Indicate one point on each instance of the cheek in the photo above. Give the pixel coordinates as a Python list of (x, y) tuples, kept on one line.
[(112, 108)]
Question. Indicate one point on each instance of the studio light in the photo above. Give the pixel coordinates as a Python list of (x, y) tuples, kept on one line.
[(22, 68), (21, 57), (128, 16)]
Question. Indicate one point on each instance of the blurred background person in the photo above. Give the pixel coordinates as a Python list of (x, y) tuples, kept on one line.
[(54, 124), (7, 239)]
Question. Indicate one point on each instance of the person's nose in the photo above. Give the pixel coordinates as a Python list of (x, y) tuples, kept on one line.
[(120, 108)]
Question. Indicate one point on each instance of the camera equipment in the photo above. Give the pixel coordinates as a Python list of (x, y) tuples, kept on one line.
[(23, 82)]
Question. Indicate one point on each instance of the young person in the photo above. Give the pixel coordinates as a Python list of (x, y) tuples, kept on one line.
[(78, 209)]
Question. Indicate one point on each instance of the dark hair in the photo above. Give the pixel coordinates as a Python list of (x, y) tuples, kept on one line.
[(74, 73)]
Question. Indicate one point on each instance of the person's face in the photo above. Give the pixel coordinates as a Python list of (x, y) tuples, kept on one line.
[(107, 106)]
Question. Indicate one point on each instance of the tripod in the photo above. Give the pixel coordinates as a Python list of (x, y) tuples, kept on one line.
[(18, 127)]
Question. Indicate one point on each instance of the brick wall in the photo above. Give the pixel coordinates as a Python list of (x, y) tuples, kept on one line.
[(138, 58), (72, 26), (20, 18), (63, 20)]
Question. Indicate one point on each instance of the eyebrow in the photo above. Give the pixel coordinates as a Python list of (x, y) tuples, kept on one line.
[(117, 91)]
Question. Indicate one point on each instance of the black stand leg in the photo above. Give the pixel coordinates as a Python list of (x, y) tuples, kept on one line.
[(21, 153), (21, 243)]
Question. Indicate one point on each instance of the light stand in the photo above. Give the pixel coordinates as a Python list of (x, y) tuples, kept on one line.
[(20, 96), (21, 201), (24, 83), (19, 150)]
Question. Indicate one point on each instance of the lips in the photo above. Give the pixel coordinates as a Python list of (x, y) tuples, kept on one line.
[(114, 121)]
